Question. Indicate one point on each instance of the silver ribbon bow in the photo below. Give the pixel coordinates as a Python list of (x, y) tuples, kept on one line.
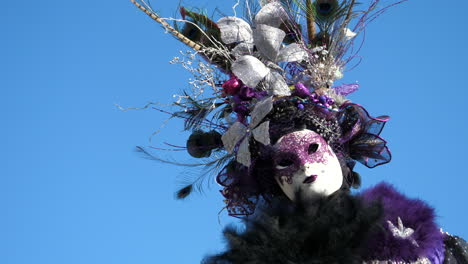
[(238, 132), (268, 39)]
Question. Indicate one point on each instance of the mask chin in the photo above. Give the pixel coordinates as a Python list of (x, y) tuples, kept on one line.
[(313, 170)]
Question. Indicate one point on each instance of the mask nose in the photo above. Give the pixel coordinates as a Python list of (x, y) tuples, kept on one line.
[(307, 168)]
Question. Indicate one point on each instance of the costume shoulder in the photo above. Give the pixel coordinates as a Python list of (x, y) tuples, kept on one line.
[(379, 225), (456, 250), (408, 232), (329, 233)]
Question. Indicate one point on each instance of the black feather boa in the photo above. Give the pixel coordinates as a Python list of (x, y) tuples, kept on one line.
[(329, 231)]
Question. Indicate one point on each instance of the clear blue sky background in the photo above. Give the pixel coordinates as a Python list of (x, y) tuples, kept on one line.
[(73, 191)]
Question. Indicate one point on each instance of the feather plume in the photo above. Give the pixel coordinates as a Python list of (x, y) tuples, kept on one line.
[(195, 182), (184, 192), (196, 25), (328, 12), (194, 112)]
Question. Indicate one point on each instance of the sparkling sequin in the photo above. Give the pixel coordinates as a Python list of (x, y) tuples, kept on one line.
[(402, 232), (419, 261)]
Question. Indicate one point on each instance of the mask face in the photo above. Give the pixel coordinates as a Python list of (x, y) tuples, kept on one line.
[(305, 163)]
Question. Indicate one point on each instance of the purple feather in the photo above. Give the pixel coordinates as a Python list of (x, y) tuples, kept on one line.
[(415, 214), (346, 89)]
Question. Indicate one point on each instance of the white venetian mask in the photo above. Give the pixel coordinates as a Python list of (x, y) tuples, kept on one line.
[(305, 163)]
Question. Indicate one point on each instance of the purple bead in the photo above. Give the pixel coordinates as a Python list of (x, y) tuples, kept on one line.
[(330, 101), (313, 96), (322, 99), (300, 106)]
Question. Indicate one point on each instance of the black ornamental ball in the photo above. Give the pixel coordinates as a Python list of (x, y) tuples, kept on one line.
[(200, 144)]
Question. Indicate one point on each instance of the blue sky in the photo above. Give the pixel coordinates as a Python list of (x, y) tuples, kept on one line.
[(73, 191)]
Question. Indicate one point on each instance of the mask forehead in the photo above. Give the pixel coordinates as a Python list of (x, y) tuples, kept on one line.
[(301, 144)]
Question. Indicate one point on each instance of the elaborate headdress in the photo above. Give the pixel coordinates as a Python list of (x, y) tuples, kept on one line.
[(269, 73)]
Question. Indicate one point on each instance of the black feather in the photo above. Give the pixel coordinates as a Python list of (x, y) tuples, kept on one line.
[(356, 180), (329, 231), (195, 113), (184, 192)]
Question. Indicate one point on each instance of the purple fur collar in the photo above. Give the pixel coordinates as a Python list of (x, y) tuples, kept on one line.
[(425, 242)]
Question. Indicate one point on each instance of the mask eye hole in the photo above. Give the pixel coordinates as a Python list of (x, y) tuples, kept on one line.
[(284, 163), (313, 148)]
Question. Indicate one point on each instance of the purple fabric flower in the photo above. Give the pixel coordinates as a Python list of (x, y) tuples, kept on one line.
[(246, 93), (260, 94), (242, 111)]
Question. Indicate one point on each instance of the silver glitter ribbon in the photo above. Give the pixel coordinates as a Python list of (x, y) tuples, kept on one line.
[(234, 30), (275, 83), (234, 134), (268, 39), (242, 49), (271, 14), (250, 70), (292, 52), (238, 132)]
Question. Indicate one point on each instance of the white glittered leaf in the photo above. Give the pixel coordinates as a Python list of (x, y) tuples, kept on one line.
[(262, 134), (243, 154), (268, 40), (250, 70), (262, 108), (271, 14), (233, 135), (291, 53), (276, 85), (234, 30)]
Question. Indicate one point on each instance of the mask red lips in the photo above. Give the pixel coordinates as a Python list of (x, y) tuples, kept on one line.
[(310, 179)]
